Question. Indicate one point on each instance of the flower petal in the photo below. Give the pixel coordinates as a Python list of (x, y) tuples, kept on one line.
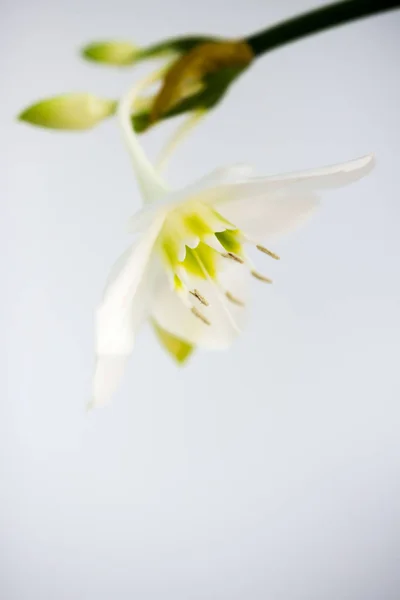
[(226, 175), (312, 180), (108, 373), (141, 220), (269, 206), (144, 217), (265, 217), (124, 306), (177, 348), (226, 318), (232, 175)]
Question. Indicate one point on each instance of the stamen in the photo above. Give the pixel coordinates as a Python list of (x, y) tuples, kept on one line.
[(266, 251), (219, 292), (260, 277), (234, 300), (234, 257), (199, 315), (199, 297)]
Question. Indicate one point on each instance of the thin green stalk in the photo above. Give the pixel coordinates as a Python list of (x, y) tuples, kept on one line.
[(316, 21)]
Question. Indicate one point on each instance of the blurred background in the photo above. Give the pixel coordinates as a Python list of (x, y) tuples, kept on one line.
[(267, 472)]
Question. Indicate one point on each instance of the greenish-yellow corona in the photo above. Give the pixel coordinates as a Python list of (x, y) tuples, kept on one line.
[(192, 241)]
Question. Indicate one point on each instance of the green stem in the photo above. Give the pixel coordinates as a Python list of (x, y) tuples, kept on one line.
[(316, 21), (296, 28)]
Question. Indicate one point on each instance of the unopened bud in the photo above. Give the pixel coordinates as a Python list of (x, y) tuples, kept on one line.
[(186, 75), (71, 111), (118, 54)]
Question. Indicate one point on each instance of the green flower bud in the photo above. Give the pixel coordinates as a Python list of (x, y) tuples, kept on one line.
[(190, 74), (124, 53), (119, 54), (195, 82), (71, 111)]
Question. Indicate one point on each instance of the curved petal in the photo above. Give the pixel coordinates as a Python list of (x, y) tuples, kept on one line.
[(332, 176), (265, 217), (141, 220), (226, 318), (269, 206), (108, 373), (123, 308), (223, 176)]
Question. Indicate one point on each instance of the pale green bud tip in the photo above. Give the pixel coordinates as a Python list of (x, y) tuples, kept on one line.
[(71, 111), (111, 53)]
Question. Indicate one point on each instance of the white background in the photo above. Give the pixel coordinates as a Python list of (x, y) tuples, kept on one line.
[(267, 472)]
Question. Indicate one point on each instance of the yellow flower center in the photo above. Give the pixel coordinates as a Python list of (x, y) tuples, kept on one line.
[(192, 240)]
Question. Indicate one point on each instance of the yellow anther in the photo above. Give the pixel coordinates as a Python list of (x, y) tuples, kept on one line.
[(234, 257), (261, 277), (233, 299), (199, 297), (199, 315), (266, 251)]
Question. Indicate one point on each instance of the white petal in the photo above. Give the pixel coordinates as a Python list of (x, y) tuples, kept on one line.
[(214, 180), (329, 177), (226, 319), (226, 175), (265, 217), (108, 373), (219, 177), (269, 206), (312, 180), (122, 310), (143, 218)]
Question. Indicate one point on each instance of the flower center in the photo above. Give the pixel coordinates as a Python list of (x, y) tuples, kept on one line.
[(193, 237), (194, 242)]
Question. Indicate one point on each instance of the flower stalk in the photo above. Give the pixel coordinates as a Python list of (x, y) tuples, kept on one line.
[(202, 68), (316, 21)]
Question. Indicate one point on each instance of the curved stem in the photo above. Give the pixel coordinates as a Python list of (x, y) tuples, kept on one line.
[(315, 21), (150, 182)]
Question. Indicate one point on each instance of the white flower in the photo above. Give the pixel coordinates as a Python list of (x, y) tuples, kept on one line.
[(188, 270)]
